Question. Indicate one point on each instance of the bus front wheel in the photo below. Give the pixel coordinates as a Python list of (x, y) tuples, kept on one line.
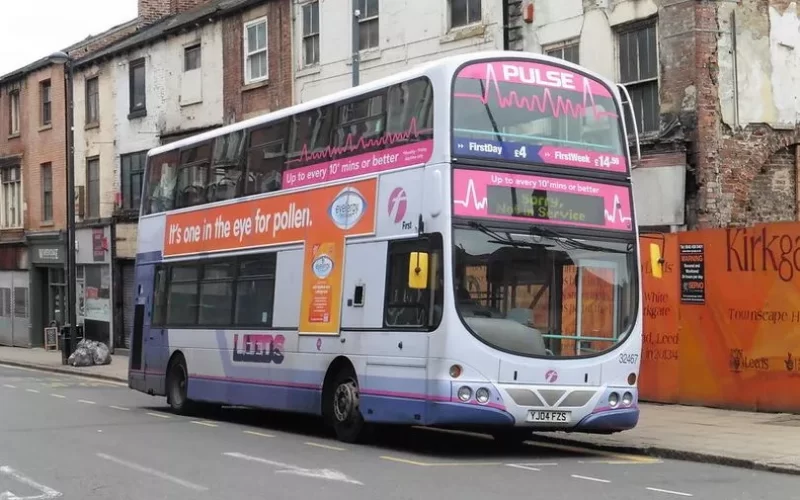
[(344, 412)]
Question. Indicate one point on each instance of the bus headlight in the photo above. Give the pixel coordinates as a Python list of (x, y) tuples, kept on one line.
[(482, 395), (627, 399), (464, 393), (613, 400)]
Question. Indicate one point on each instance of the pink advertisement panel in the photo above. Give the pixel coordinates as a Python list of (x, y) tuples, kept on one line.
[(516, 93), (541, 200), (367, 163)]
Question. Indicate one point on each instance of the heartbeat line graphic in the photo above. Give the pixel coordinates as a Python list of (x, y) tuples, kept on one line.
[(612, 217), (351, 144), (558, 106), (476, 204)]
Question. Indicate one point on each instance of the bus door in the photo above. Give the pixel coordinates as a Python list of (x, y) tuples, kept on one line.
[(148, 342), (597, 324)]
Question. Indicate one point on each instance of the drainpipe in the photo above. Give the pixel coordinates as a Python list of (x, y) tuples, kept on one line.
[(506, 24)]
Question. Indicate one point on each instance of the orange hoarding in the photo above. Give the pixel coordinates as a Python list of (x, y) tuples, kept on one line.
[(321, 218), (722, 327)]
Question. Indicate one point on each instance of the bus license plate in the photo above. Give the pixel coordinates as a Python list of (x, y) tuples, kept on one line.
[(556, 417)]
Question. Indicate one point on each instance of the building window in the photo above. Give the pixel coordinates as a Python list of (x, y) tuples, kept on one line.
[(565, 51), (138, 100), (311, 33), (255, 49), (132, 176), (93, 187), (47, 105), (464, 12), (369, 32), (13, 113), (46, 170), (92, 101), (638, 68), (12, 196), (191, 57)]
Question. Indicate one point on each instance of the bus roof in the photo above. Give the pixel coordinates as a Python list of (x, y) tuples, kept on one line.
[(449, 63)]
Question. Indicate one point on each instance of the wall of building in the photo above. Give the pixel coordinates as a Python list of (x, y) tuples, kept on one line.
[(97, 140), (747, 113), (244, 101), (409, 32)]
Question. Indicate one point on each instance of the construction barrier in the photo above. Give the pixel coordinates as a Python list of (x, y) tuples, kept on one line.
[(722, 325)]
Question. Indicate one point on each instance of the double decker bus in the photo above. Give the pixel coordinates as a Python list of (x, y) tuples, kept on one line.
[(451, 246)]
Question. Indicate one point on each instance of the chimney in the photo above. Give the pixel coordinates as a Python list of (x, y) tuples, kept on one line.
[(152, 11)]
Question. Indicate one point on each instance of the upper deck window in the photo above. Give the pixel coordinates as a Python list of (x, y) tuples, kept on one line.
[(531, 112)]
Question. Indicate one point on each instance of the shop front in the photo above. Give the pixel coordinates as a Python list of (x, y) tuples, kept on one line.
[(48, 283), (14, 301), (94, 284)]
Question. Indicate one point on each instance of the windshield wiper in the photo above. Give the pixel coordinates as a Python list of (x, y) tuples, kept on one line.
[(570, 243), (499, 238)]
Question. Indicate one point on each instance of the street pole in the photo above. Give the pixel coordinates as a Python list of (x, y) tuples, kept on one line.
[(71, 269), (69, 111), (356, 46)]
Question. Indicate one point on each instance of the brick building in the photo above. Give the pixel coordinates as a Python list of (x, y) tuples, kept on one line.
[(711, 83), (32, 199)]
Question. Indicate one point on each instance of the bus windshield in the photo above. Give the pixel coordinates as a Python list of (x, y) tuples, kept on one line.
[(545, 296), (532, 112)]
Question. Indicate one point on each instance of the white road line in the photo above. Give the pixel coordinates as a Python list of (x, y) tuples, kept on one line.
[(588, 478), (10, 386), (59, 396), (121, 408), (46, 492), (86, 402), (32, 390), (327, 474), (260, 434), (324, 446), (159, 415), (153, 472), (526, 467), (670, 492), (207, 424)]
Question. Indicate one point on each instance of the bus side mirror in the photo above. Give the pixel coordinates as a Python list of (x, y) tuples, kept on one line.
[(418, 271), (656, 261)]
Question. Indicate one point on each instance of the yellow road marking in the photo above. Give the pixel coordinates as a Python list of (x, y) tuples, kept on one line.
[(325, 446), (207, 424), (260, 434), (70, 375), (618, 458)]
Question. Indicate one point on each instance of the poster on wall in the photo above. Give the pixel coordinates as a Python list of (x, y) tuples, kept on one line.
[(693, 273)]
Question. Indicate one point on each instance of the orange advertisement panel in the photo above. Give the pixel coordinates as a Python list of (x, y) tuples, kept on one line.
[(659, 372), (322, 218), (738, 341)]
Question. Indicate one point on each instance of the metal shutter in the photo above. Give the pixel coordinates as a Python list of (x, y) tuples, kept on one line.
[(128, 300)]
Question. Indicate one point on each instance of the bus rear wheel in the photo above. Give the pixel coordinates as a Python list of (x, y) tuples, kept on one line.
[(344, 413), (177, 386)]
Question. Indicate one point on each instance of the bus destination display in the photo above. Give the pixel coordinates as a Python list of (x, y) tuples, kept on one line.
[(545, 205), (485, 194)]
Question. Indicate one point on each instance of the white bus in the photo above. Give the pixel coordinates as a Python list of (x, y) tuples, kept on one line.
[(451, 246)]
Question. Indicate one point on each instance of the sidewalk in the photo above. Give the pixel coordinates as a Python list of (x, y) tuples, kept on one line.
[(765, 441), (50, 361)]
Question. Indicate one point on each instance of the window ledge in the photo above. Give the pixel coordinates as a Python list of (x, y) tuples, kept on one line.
[(12, 228), (14, 136), (47, 223), (463, 33), (46, 127), (309, 70), (90, 126), (255, 85), (137, 114)]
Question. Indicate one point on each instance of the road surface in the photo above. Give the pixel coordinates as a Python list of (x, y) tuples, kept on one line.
[(69, 437)]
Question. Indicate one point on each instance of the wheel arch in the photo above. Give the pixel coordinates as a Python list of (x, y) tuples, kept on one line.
[(339, 364)]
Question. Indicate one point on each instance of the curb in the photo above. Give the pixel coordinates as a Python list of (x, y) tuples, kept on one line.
[(673, 454), (66, 371)]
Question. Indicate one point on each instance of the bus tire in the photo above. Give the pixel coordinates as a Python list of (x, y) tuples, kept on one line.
[(344, 413), (177, 386)]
